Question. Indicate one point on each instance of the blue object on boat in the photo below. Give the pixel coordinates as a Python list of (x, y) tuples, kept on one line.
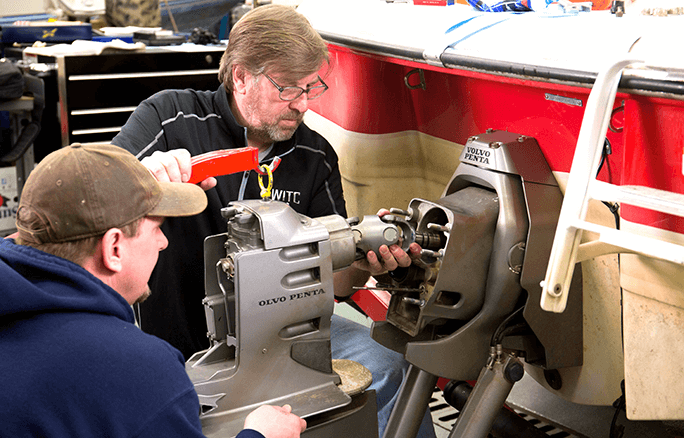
[(501, 6)]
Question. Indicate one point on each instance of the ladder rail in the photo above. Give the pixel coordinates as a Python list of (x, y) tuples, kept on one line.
[(647, 197), (575, 202), (648, 246)]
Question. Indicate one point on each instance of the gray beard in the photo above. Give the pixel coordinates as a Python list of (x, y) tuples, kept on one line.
[(271, 133)]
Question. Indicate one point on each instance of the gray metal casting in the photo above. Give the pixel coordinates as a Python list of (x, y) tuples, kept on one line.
[(269, 302)]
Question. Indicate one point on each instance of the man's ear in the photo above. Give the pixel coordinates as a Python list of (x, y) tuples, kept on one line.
[(240, 78), (112, 250)]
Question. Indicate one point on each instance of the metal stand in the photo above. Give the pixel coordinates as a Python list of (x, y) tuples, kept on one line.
[(414, 397), (489, 394), (507, 424)]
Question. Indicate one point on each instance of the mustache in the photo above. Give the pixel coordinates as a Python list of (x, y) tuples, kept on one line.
[(292, 115)]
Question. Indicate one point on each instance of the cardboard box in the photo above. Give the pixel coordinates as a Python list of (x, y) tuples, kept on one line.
[(9, 201)]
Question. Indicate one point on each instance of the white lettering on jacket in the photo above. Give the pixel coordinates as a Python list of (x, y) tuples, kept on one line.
[(286, 196)]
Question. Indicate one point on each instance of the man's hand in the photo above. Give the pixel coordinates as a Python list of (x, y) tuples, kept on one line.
[(174, 166), (390, 258), (275, 422), (347, 280)]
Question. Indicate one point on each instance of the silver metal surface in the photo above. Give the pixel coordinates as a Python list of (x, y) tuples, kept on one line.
[(270, 333), (525, 159), (269, 302)]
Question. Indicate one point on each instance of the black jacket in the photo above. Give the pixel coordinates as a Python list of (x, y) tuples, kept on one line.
[(308, 179)]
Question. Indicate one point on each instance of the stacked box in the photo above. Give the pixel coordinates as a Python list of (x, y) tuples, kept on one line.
[(9, 201)]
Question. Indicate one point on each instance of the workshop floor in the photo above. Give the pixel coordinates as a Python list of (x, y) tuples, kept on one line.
[(444, 416), (560, 417)]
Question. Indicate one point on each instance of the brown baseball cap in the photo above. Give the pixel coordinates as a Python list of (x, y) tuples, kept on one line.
[(82, 191)]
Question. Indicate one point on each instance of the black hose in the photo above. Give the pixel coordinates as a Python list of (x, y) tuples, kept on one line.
[(496, 337)]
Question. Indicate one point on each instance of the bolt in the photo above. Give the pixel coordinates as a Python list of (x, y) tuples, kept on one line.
[(415, 301), (399, 211), (228, 266), (429, 253), (557, 291), (522, 139), (514, 371), (228, 212), (438, 228), (495, 144), (353, 220)]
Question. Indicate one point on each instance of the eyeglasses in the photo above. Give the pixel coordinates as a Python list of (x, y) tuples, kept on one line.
[(292, 93)]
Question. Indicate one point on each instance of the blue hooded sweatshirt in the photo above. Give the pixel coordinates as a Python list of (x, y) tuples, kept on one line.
[(73, 364)]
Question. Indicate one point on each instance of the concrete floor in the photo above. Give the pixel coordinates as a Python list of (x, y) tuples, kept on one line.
[(445, 416)]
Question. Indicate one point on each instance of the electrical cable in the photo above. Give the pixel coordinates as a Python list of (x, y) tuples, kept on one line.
[(618, 430), (496, 337), (613, 207)]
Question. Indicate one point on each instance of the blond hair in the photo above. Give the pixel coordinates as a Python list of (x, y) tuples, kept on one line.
[(273, 38)]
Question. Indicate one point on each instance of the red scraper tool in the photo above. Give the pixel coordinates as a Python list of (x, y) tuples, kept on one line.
[(223, 162)]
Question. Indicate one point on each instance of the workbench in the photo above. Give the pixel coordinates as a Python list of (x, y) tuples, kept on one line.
[(98, 92)]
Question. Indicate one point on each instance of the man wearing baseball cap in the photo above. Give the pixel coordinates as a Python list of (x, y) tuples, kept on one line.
[(73, 362)]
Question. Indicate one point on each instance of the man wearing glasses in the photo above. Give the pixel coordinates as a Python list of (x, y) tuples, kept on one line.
[(269, 72)]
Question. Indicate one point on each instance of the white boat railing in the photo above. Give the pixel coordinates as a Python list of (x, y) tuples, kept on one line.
[(582, 186)]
